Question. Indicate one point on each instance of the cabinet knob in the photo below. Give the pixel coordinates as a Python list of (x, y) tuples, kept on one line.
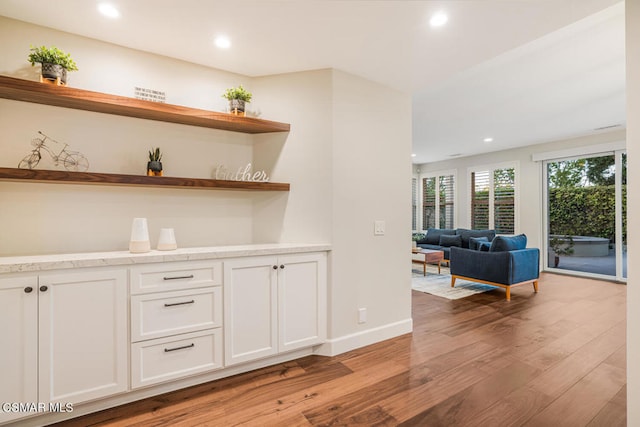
[(275, 267), (282, 266), (28, 290), (43, 288)]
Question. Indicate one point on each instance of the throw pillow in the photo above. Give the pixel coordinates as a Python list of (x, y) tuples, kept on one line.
[(484, 246), (433, 235), (508, 243), (474, 242), (468, 234), (448, 241)]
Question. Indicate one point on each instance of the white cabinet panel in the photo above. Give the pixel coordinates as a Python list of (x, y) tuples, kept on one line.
[(164, 359), (273, 305), (301, 301), (19, 331), (250, 317), (170, 313), (83, 335), (175, 276)]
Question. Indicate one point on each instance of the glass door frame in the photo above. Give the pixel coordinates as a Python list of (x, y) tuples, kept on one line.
[(618, 215)]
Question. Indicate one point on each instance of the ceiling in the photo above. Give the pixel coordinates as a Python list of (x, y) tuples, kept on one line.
[(519, 71)]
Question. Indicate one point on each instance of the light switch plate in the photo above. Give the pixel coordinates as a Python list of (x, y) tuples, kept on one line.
[(362, 315), (378, 228)]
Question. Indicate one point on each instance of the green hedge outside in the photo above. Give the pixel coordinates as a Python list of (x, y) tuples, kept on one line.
[(586, 211)]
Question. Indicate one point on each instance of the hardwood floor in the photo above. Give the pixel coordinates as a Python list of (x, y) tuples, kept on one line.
[(553, 358)]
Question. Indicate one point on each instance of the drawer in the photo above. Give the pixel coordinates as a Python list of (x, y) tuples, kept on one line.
[(174, 276), (171, 313), (167, 359)]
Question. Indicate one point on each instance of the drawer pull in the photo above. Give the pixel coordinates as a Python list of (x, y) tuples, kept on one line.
[(167, 350), (178, 277), (179, 303)]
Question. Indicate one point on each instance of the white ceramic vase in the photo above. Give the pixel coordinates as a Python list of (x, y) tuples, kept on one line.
[(139, 242)]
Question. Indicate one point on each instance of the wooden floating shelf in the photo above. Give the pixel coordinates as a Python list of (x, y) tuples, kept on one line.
[(79, 99), (62, 177)]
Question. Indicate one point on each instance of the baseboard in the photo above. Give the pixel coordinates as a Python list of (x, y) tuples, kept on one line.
[(336, 346)]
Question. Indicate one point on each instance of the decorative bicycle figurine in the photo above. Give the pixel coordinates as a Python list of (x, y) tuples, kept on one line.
[(71, 160)]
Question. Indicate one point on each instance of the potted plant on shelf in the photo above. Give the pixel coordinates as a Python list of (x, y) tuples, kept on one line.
[(55, 64), (561, 246), (237, 97), (154, 166)]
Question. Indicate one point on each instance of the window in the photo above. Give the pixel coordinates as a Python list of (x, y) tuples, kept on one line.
[(414, 200), (504, 205), (438, 201), (446, 191), (428, 203), (480, 200), (493, 199)]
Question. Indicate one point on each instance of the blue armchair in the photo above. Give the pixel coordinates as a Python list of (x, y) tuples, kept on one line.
[(505, 263)]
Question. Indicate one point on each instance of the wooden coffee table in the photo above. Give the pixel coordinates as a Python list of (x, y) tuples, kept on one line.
[(431, 256)]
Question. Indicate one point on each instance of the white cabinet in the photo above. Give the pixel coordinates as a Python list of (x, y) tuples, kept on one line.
[(64, 337), (302, 301), (19, 331), (174, 276), (82, 335), (250, 301), (175, 357), (176, 320), (273, 305)]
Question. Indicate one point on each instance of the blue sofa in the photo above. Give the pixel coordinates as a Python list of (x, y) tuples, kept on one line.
[(506, 262), (443, 239)]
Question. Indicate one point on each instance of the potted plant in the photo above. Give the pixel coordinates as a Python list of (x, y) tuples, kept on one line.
[(55, 63), (416, 237), (154, 166), (237, 97), (561, 247)]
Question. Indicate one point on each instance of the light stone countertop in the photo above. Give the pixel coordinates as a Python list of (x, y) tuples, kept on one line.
[(123, 258)]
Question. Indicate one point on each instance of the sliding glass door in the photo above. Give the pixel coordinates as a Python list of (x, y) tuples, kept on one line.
[(586, 214)]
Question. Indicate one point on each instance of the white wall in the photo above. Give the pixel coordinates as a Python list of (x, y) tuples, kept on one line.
[(347, 159), (58, 218), (371, 177), (304, 214), (633, 204), (348, 154), (530, 179)]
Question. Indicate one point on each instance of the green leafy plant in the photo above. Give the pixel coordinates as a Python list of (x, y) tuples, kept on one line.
[(155, 155), (586, 211), (51, 55), (239, 93), (417, 236)]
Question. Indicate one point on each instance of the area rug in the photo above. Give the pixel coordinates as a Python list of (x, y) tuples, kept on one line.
[(440, 285)]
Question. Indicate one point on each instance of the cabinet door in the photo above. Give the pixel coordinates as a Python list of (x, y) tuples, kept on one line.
[(250, 309), (83, 335), (302, 300), (19, 331)]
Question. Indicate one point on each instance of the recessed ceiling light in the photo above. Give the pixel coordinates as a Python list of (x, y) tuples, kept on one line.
[(108, 10), (413, 155), (438, 19), (223, 42), (488, 139)]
